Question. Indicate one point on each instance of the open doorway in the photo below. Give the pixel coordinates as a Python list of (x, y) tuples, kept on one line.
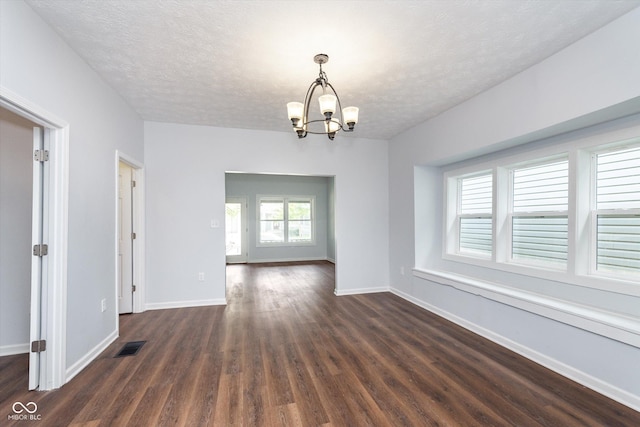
[(20, 194), (129, 234), (48, 242), (236, 230), (126, 238), (288, 217)]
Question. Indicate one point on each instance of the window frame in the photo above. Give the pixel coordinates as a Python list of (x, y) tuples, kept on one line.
[(286, 237), (530, 214), (594, 212), (475, 215), (581, 255)]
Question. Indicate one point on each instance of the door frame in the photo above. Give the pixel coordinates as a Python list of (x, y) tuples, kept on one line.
[(239, 259), (138, 225), (53, 308)]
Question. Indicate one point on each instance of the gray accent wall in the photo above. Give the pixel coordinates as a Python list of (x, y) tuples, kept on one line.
[(251, 186)]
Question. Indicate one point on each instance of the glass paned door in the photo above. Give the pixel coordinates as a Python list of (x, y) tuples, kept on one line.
[(235, 230)]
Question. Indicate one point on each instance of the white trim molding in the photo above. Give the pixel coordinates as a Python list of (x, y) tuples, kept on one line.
[(358, 291), (11, 349), (184, 304)]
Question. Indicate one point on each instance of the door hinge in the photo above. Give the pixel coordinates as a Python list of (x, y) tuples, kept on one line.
[(40, 250), (133, 236), (38, 346), (133, 184), (41, 155), (133, 288)]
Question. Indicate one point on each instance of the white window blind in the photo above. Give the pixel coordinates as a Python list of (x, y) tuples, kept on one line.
[(618, 211), (539, 226), (541, 188), (475, 215)]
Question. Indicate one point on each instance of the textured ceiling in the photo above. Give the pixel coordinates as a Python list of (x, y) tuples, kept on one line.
[(237, 63)]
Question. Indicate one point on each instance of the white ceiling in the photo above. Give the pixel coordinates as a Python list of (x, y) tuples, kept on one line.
[(237, 63)]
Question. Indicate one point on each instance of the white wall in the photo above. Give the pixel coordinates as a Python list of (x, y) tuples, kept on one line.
[(37, 65), (250, 186), (16, 159), (594, 80), (185, 172)]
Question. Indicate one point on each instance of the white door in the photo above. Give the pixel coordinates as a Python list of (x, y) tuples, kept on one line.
[(235, 226), (125, 238), (39, 258)]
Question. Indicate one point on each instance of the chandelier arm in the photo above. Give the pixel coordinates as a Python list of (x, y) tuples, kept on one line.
[(307, 103), (322, 132), (341, 121)]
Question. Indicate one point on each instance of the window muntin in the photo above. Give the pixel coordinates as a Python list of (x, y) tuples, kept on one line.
[(617, 213), (539, 218), (271, 221), (286, 220), (299, 224), (475, 220)]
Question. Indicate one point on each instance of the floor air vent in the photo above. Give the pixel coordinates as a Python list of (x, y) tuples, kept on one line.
[(130, 348)]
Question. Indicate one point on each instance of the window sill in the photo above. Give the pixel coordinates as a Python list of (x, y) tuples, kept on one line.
[(618, 285), (612, 325)]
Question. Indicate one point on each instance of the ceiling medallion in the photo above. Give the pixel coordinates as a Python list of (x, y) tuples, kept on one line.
[(332, 122)]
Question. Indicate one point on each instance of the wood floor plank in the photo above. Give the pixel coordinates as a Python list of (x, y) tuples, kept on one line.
[(285, 351)]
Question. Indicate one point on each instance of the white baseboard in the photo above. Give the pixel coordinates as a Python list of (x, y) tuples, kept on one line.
[(270, 260), (10, 350), (77, 367), (184, 304), (563, 369), (339, 292)]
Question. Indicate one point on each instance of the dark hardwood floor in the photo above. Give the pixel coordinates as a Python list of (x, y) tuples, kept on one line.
[(286, 351)]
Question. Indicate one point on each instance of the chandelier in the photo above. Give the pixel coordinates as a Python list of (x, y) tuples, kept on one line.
[(331, 122)]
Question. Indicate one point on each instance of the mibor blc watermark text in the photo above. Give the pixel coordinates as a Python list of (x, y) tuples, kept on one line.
[(24, 412)]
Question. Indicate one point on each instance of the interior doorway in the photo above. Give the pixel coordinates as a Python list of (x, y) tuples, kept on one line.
[(47, 300), (236, 230), (21, 223), (125, 237), (130, 220)]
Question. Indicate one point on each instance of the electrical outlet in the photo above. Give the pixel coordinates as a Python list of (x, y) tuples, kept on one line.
[(103, 305), (402, 270), (201, 276)]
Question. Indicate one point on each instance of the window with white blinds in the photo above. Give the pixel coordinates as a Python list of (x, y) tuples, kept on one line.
[(475, 219), (561, 213), (618, 211), (539, 219)]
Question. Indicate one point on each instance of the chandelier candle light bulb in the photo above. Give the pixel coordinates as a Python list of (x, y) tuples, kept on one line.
[(334, 116), (327, 105), (350, 116), (295, 110)]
